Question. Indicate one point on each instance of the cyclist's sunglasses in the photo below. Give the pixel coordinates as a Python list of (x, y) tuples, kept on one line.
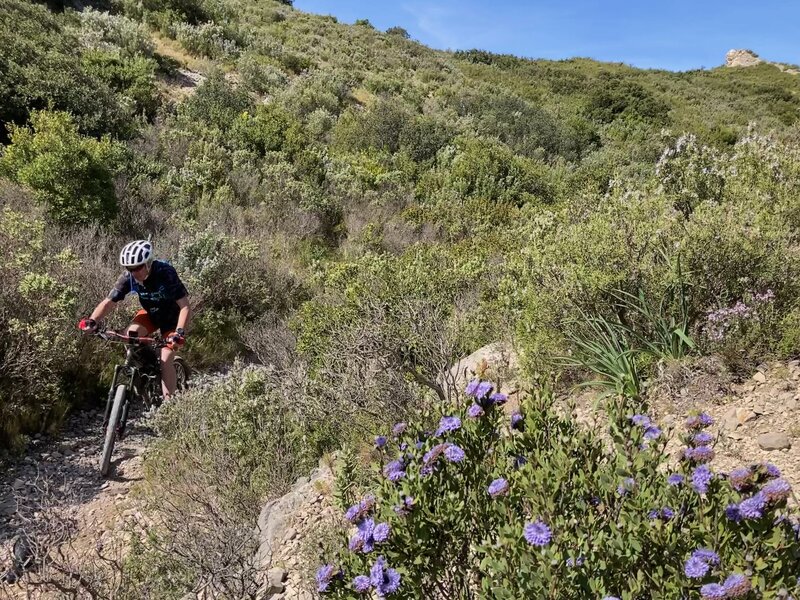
[(134, 269)]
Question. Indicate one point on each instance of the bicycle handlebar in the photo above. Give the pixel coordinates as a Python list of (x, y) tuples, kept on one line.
[(130, 340)]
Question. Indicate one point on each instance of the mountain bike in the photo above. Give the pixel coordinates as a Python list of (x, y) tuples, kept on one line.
[(139, 377)]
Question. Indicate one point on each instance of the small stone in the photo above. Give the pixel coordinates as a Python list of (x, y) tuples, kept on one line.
[(791, 404), (774, 441), (758, 409), (18, 484), (290, 535), (759, 377)]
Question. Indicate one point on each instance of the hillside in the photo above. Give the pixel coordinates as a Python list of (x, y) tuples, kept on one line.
[(352, 212)]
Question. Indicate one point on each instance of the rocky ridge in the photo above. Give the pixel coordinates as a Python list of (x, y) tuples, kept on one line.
[(748, 58)]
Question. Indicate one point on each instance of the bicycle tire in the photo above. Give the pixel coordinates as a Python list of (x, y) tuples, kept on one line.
[(111, 428), (181, 374)]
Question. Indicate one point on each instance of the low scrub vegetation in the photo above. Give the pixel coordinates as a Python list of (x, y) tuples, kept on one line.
[(530, 504)]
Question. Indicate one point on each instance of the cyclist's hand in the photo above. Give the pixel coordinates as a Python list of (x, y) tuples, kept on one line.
[(177, 339), (88, 326)]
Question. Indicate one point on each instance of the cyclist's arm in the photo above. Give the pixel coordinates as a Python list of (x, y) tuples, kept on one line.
[(102, 309), (121, 289), (185, 312)]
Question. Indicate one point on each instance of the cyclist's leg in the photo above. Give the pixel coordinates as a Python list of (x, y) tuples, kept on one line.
[(168, 376), (141, 324)]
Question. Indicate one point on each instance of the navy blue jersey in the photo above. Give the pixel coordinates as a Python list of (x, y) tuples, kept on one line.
[(157, 295)]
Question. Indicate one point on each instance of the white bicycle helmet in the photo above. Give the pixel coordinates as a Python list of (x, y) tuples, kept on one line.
[(137, 253)]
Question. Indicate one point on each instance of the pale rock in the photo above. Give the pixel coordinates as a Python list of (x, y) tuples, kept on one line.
[(774, 441), (290, 534), (759, 377)]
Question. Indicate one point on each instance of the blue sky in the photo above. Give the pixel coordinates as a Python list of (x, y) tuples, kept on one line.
[(666, 34)]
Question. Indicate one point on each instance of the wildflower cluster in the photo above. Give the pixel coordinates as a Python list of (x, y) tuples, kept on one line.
[(722, 322), (481, 494)]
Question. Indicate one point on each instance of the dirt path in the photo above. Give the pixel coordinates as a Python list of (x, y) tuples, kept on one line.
[(56, 494)]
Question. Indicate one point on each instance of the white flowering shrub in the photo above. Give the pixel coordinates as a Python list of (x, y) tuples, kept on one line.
[(536, 506), (206, 39), (114, 33)]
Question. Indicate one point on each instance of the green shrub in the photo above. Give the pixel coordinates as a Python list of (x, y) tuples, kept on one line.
[(206, 39), (540, 507), (70, 174), (261, 74), (41, 68), (216, 103), (113, 33), (133, 78)]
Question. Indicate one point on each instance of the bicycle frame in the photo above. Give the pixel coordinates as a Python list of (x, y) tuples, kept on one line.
[(134, 371)]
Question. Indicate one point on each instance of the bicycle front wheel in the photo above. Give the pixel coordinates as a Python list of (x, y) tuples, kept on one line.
[(111, 428)]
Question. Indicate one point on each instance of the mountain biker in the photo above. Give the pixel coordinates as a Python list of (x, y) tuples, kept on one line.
[(164, 300)]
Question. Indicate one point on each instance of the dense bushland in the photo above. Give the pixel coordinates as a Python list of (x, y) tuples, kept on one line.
[(358, 211)]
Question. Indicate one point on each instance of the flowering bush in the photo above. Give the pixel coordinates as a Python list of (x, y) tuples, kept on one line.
[(535, 506)]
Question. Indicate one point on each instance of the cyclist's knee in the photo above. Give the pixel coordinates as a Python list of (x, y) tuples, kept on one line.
[(137, 329)]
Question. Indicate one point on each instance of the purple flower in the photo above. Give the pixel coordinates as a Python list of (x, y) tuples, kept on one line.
[(448, 424), (396, 476), (499, 487), (736, 585), (575, 562), (395, 465), (703, 454), (368, 535), (497, 398), (475, 411), (404, 508), (695, 568), (537, 533), (358, 511), (433, 454), (740, 479), (698, 421), (472, 387), (626, 486), (641, 420), (453, 453), (484, 389), (665, 513), (519, 461), (380, 441), (753, 507), (325, 575), (381, 532), (702, 439), (517, 421), (732, 512), (772, 470), (361, 584), (675, 479), (398, 429), (701, 478), (395, 470), (776, 490), (652, 433), (712, 591), (385, 581), (610, 598), (706, 555)]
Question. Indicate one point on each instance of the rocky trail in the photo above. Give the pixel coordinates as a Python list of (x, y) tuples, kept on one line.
[(56, 493)]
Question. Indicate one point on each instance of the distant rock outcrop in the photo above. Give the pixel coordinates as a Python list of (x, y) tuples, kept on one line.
[(742, 58), (748, 58)]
